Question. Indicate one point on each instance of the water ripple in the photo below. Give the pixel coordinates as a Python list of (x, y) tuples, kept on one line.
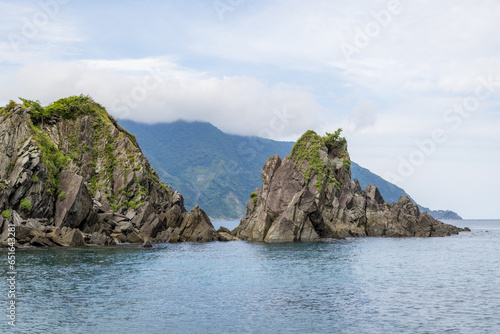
[(371, 285)]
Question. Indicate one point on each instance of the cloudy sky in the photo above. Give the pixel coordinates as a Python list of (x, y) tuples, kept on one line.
[(414, 84)]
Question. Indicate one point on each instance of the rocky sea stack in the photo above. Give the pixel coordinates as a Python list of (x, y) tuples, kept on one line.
[(309, 196), (71, 176)]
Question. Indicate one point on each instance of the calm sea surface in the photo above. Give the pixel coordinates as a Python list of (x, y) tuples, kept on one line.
[(370, 285)]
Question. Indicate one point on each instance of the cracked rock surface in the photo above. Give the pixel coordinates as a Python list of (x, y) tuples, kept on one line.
[(309, 196)]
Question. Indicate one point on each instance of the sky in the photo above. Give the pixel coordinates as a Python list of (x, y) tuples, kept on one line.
[(415, 85)]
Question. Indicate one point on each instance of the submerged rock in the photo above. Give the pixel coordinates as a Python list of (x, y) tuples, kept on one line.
[(309, 196)]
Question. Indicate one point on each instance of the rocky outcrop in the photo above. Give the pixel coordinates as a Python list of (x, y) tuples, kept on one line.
[(194, 226), (71, 176), (309, 196), (225, 235)]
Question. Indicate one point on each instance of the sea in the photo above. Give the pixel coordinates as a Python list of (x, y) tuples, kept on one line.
[(365, 285)]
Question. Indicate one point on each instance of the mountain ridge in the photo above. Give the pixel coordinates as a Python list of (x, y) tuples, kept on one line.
[(392, 192), (310, 196), (232, 163)]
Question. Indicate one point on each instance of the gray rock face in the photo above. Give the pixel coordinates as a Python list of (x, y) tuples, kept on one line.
[(196, 226), (309, 195), (170, 235), (135, 238), (77, 206), (193, 226), (84, 180), (224, 236)]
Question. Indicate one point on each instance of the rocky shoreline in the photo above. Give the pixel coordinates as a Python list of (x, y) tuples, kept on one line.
[(71, 176), (309, 196), (77, 178)]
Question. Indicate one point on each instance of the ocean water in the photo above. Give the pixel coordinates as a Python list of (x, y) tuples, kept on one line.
[(370, 285)]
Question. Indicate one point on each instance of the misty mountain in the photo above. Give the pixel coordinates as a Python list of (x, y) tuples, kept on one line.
[(218, 171)]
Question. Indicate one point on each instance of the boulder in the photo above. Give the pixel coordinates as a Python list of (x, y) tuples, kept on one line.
[(40, 241), (143, 214), (23, 232), (100, 239), (74, 209), (130, 214), (135, 238), (224, 236), (119, 238), (118, 217), (197, 227), (173, 217), (67, 237), (170, 235), (75, 238), (223, 229), (125, 227), (152, 226), (147, 244)]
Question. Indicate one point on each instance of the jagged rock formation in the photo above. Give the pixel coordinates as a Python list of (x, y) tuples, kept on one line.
[(309, 195), (70, 176)]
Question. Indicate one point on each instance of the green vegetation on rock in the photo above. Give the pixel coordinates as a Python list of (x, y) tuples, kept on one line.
[(37, 112), (77, 134), (25, 205), (67, 108), (53, 158), (73, 107), (194, 158), (254, 197), (334, 141), (6, 214), (8, 108), (69, 164), (62, 196), (308, 149)]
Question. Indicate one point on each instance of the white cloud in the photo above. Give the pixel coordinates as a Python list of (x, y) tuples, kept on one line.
[(363, 115), (158, 90), (36, 32), (394, 91), (427, 45)]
